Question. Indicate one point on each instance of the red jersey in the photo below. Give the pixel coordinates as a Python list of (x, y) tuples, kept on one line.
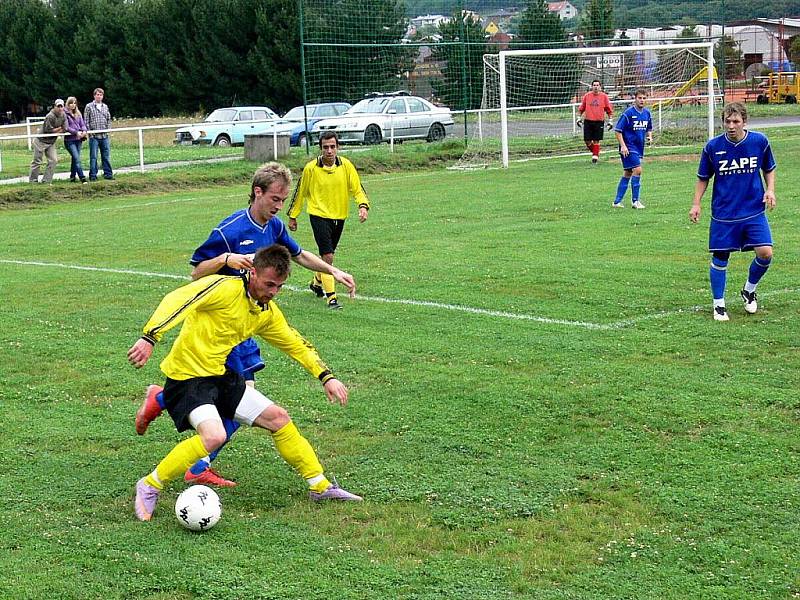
[(593, 106)]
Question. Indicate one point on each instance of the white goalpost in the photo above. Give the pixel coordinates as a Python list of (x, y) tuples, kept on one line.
[(531, 97)]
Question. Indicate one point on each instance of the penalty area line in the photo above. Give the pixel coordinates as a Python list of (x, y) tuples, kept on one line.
[(407, 302)]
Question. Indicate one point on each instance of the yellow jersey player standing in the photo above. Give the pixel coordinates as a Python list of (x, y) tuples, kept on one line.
[(218, 312), (327, 184)]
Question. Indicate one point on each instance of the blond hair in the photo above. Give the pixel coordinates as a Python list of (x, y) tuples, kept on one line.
[(266, 175)]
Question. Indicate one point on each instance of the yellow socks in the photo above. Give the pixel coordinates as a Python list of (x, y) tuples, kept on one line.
[(328, 283), (296, 451), (180, 458)]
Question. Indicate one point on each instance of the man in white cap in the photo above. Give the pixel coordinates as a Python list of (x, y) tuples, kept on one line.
[(54, 122)]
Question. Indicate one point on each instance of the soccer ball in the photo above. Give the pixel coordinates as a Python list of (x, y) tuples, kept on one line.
[(198, 508)]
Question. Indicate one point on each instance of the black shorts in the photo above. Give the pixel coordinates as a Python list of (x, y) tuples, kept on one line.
[(593, 131), (182, 397), (326, 232)]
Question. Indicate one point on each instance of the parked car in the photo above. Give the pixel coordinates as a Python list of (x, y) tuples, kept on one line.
[(373, 119), (294, 121), (227, 126)]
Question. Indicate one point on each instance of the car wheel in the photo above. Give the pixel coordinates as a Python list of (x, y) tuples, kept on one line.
[(372, 135), (436, 132), (791, 99), (223, 141), (301, 141)]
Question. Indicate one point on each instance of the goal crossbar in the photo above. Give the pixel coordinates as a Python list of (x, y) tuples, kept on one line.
[(505, 54)]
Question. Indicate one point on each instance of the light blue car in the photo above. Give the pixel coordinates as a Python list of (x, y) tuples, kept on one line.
[(227, 126), (293, 122)]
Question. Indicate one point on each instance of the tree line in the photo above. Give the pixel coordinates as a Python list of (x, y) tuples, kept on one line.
[(152, 57)]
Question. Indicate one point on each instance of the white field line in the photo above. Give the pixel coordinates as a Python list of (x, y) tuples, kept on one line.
[(621, 324), (439, 305)]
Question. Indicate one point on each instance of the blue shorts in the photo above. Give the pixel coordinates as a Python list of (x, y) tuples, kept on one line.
[(631, 161), (245, 359), (725, 236)]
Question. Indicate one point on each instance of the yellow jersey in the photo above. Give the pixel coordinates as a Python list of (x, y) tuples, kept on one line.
[(328, 190), (217, 314)]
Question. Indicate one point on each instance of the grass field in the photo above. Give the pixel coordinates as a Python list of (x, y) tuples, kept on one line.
[(541, 405)]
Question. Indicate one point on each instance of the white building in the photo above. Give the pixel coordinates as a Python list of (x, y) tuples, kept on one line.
[(756, 43), (564, 9)]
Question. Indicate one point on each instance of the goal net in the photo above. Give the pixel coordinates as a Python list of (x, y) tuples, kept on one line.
[(531, 98)]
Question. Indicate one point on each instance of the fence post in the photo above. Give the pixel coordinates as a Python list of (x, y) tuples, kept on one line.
[(28, 129), (141, 151), (480, 125)]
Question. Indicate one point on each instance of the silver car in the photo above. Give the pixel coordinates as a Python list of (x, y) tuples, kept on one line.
[(380, 117)]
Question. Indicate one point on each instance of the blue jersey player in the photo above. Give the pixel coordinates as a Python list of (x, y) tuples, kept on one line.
[(739, 202), (229, 250), (632, 128)]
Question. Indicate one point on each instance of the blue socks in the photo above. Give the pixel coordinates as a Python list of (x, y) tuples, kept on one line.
[(621, 189), (758, 267), (718, 274), (635, 185)]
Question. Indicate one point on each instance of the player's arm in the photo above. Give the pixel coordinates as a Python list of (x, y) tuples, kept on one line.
[(298, 198), (277, 332), (699, 189), (357, 192), (312, 262), (610, 112), (173, 310), (769, 194), (226, 259), (622, 147)]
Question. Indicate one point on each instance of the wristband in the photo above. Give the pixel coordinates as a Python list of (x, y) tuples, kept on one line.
[(227, 256), (325, 377)]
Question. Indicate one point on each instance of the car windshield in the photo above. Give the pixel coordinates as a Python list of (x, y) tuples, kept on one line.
[(221, 114), (370, 105), (298, 114)]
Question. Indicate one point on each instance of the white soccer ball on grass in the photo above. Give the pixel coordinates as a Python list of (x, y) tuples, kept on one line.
[(198, 508)]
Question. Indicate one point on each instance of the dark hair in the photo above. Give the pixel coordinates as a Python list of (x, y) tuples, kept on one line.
[(266, 175), (328, 135), (275, 256), (598, 81)]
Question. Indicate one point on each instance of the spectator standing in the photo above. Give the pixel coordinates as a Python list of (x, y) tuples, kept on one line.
[(98, 117), (77, 129), (54, 122)]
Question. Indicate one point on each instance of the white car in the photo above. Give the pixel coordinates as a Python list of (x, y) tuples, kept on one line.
[(227, 126), (380, 117)]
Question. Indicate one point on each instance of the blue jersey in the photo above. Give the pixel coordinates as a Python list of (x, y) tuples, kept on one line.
[(736, 167), (240, 234), (634, 125)]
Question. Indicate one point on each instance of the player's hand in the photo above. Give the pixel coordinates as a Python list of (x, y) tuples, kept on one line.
[(240, 261), (139, 353), (579, 122), (335, 390), (345, 279), (609, 126), (362, 214), (694, 213), (623, 149), (292, 225), (769, 199)]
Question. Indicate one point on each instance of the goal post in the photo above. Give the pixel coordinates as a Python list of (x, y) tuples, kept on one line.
[(531, 97)]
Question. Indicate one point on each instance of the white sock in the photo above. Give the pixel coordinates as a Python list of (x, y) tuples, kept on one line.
[(750, 287), (719, 302)]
